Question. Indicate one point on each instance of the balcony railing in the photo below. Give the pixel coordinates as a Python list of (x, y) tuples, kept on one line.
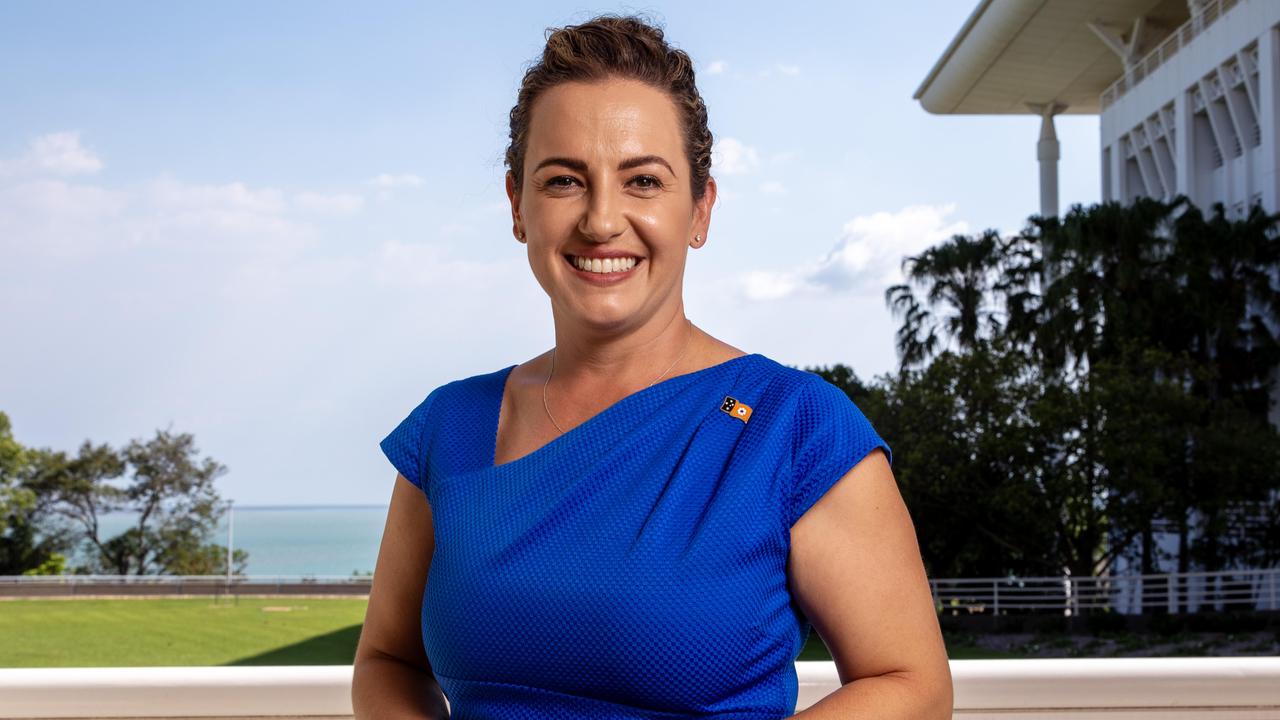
[(1243, 589), (1097, 689), (63, 585), (1209, 13), (1250, 589)]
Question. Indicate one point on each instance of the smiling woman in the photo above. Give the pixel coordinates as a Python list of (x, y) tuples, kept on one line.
[(643, 521)]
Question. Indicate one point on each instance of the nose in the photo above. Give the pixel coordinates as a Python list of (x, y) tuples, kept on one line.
[(603, 219)]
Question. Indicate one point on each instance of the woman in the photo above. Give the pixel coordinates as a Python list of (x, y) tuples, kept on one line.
[(643, 521)]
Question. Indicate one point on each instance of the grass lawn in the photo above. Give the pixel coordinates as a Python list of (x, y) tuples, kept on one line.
[(213, 631), (180, 631)]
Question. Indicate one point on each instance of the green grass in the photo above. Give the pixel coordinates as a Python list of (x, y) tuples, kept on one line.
[(206, 631), (181, 631)]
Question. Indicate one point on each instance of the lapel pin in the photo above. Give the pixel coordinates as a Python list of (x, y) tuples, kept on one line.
[(737, 409)]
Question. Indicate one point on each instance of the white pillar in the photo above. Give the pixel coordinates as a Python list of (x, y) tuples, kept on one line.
[(1268, 117), (1184, 148), (1047, 152), (1119, 183), (230, 524)]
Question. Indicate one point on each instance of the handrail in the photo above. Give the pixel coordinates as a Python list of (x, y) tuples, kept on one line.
[(1208, 14), (1251, 588)]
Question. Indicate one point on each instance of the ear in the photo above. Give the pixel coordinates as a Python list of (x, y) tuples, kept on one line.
[(513, 195), (702, 211)]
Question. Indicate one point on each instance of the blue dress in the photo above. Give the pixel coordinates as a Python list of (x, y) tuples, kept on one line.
[(635, 566)]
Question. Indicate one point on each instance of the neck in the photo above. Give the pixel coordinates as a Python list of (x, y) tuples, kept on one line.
[(630, 361)]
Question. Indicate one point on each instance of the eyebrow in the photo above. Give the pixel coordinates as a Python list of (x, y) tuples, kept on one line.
[(580, 166)]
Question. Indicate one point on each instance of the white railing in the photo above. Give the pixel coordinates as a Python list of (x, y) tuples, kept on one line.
[(1094, 688), (72, 585), (175, 579), (1246, 589), (1209, 13)]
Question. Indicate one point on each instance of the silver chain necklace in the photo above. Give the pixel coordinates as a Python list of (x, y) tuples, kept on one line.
[(664, 372)]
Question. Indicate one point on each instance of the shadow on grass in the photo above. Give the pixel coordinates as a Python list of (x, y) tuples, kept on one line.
[(339, 648), (335, 648)]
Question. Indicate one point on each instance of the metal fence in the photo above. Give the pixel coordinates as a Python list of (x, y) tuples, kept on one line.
[(1208, 13), (80, 585), (1247, 589)]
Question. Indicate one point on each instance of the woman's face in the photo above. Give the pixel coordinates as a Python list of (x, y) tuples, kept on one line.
[(605, 173)]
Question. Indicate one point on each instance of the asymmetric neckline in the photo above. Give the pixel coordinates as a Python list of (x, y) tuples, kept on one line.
[(494, 415)]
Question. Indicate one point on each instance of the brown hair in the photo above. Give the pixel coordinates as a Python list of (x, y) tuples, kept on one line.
[(626, 47)]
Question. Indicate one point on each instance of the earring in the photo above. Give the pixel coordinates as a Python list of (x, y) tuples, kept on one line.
[(697, 239), (522, 236)]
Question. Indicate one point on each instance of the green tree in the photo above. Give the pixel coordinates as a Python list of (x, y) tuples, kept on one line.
[(960, 277), (1134, 357), (16, 501), (30, 534), (170, 491)]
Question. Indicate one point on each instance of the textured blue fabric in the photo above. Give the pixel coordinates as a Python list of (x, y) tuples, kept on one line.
[(634, 567)]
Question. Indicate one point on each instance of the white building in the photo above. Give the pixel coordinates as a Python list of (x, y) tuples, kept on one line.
[(1188, 90), (1188, 93)]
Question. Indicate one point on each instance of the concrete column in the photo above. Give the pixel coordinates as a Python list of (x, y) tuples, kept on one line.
[(1268, 116), (1119, 184), (1047, 152), (1183, 147)]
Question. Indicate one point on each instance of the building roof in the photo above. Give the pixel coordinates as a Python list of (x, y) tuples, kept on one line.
[(1011, 53)]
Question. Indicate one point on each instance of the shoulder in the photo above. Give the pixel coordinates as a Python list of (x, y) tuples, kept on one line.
[(818, 411), (799, 389), (464, 392)]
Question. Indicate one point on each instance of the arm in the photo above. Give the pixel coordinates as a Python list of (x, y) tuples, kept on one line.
[(392, 677), (856, 572)]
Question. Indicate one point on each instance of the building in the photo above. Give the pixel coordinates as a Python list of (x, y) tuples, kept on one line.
[(1188, 94), (1188, 91)]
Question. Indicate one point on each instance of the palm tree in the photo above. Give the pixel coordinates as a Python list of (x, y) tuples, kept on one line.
[(959, 275)]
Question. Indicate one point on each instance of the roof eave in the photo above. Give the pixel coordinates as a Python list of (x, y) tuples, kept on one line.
[(946, 55)]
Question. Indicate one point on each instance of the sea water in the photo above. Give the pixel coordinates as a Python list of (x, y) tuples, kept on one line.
[(291, 540)]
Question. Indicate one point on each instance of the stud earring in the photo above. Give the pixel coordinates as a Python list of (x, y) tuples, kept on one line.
[(697, 239)]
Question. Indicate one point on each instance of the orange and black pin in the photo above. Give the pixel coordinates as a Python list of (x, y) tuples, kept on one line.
[(737, 409)]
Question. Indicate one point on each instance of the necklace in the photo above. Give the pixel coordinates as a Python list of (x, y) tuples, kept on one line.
[(664, 372)]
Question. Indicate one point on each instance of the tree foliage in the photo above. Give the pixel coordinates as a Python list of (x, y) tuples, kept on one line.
[(160, 481), (1066, 393)]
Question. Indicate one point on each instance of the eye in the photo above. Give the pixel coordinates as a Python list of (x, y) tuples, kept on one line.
[(555, 181), (648, 182)]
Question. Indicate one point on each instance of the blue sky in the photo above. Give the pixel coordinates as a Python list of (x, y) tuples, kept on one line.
[(277, 226)]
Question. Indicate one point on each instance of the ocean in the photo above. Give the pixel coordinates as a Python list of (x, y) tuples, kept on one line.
[(293, 540)]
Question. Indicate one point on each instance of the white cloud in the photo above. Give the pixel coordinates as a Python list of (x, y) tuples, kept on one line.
[(386, 181), (337, 204), (223, 218), (766, 285), (866, 258), (235, 196), (62, 153), (729, 156), (58, 153), (780, 68), (716, 67)]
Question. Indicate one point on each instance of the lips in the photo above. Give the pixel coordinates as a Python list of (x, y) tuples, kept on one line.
[(602, 278)]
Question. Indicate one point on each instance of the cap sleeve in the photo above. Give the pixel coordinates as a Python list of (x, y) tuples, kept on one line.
[(406, 445), (831, 435)]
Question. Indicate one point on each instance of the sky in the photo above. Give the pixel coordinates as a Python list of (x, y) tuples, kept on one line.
[(278, 226)]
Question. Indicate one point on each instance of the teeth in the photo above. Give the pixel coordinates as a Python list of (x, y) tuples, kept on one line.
[(607, 265)]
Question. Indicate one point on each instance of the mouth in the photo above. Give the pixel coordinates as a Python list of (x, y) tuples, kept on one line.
[(603, 269)]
